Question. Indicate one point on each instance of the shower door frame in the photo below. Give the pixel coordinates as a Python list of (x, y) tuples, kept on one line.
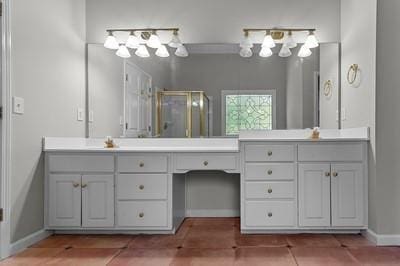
[(189, 106)]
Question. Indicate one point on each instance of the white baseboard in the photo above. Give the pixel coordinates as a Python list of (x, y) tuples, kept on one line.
[(382, 240), (212, 213), (29, 241)]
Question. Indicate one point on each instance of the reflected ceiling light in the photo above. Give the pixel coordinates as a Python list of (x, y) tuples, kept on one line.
[(123, 51), (265, 52), (246, 52), (133, 41), (162, 51), (285, 51), (311, 41), (154, 41), (246, 42), (111, 42), (304, 51), (142, 51), (268, 41), (181, 51), (175, 41), (289, 41)]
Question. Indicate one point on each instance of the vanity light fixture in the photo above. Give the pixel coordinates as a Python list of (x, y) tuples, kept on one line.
[(123, 51), (175, 41), (162, 51), (111, 42), (289, 41), (268, 41), (181, 51), (154, 41), (246, 42), (142, 51), (304, 51), (266, 52), (285, 51), (311, 41), (133, 41), (246, 52)]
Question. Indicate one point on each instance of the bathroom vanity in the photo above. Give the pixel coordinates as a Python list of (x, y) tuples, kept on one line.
[(289, 183)]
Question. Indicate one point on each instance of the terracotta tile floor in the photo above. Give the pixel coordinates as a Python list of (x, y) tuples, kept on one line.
[(206, 241)]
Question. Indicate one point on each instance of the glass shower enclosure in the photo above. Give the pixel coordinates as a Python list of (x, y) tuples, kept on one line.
[(182, 114)]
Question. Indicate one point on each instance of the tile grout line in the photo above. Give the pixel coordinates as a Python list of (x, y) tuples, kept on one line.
[(294, 257)]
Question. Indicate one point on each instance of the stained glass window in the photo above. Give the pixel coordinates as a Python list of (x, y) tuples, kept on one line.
[(248, 112)]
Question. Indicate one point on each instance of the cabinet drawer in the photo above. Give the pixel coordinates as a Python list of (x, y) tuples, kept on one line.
[(142, 186), (81, 163), (142, 214), (269, 190), (270, 171), (142, 164), (330, 152), (269, 213), (206, 161), (269, 153)]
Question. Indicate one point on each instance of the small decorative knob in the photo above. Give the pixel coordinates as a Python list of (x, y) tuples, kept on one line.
[(327, 174), (269, 153), (270, 190), (141, 215), (270, 214), (75, 184), (270, 172), (335, 174), (141, 164), (84, 185), (141, 187), (205, 163)]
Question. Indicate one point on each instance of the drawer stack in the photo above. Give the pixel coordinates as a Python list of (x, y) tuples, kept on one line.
[(142, 191), (269, 186)]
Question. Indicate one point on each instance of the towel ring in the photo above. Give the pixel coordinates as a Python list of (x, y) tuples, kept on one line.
[(352, 73), (328, 87)]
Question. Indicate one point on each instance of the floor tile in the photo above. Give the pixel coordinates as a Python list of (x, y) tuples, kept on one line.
[(215, 223), (58, 241), (183, 230), (84, 256), (210, 238), (261, 240), (144, 257), (103, 241), (32, 256), (276, 256), (353, 240), (313, 256), (312, 240), (206, 257), (156, 241), (376, 255)]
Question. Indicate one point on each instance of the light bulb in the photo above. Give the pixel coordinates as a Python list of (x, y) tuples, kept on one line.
[(304, 51), (311, 41), (181, 51), (268, 41), (154, 41), (175, 41), (133, 41), (142, 51), (246, 52), (246, 42), (111, 42), (285, 51), (289, 41), (162, 51), (123, 52), (266, 52)]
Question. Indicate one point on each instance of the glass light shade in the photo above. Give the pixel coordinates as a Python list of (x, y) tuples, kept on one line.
[(246, 42), (133, 42), (123, 52), (142, 51), (311, 41), (266, 52), (181, 51), (285, 51), (246, 52), (289, 41), (268, 41), (154, 41), (175, 41), (111, 42), (162, 51), (304, 51)]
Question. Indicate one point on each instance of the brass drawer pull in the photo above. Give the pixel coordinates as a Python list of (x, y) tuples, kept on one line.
[(270, 190), (141, 187), (141, 164), (327, 174), (141, 215), (75, 184), (335, 174), (270, 214), (84, 185), (269, 153), (269, 172), (205, 163)]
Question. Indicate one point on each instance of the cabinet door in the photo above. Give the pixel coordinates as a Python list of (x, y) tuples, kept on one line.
[(314, 195), (65, 200), (347, 195), (97, 200)]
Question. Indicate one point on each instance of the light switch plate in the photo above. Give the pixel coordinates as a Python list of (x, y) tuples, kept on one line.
[(91, 116), (18, 105), (80, 114)]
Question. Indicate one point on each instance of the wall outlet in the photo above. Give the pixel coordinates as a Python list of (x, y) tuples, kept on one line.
[(80, 114), (18, 105)]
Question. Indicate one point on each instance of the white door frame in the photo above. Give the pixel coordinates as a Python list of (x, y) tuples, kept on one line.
[(5, 229)]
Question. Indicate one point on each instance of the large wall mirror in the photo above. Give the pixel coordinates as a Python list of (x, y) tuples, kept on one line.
[(212, 92)]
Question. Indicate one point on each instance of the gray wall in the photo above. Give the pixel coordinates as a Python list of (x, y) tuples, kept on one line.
[(48, 71)]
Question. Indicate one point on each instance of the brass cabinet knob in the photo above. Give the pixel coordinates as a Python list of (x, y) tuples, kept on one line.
[(205, 163), (84, 185), (141, 187), (75, 184), (141, 164), (269, 153), (270, 172), (335, 174), (270, 214), (327, 174), (141, 215), (270, 190)]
